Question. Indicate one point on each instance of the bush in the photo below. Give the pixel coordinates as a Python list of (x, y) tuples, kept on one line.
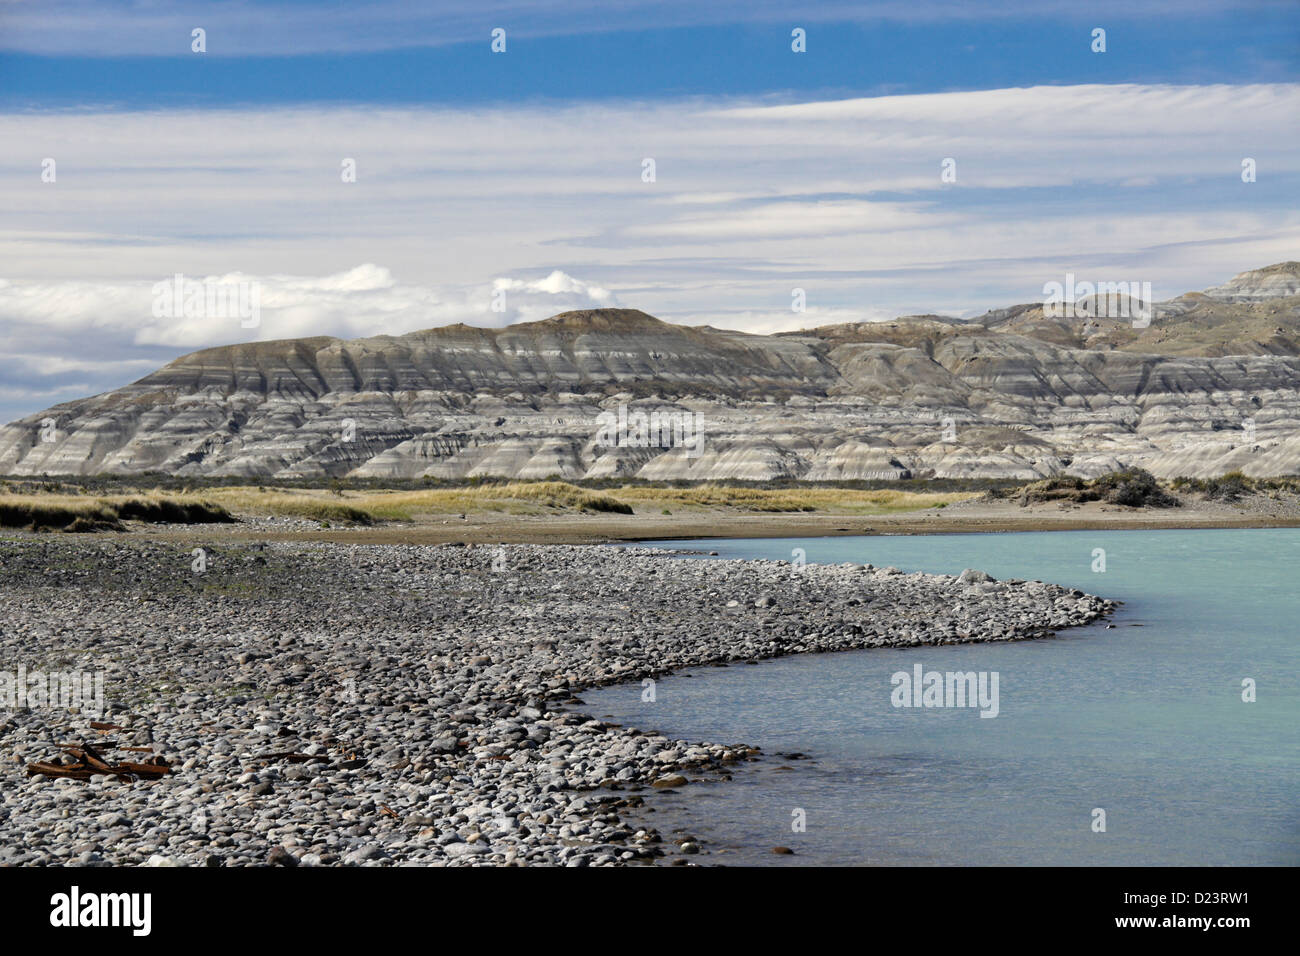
[(606, 503), (1134, 488), (1057, 488), (167, 510), (19, 513), (104, 514), (1228, 487)]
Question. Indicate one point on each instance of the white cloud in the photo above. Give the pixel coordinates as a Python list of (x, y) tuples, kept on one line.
[(366, 300), (547, 205), (518, 300), (818, 218)]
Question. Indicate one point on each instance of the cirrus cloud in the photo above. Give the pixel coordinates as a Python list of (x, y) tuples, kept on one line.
[(547, 205)]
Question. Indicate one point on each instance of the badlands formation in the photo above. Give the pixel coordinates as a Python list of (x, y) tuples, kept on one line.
[(1210, 385)]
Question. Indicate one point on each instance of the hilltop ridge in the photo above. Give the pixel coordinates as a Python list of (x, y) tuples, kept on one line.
[(1211, 384)]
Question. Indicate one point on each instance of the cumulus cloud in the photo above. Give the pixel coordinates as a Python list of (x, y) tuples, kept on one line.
[(519, 300), (64, 340), (188, 312)]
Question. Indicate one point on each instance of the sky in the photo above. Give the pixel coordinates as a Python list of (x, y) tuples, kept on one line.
[(913, 157)]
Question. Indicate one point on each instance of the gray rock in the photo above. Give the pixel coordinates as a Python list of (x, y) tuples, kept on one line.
[(434, 706)]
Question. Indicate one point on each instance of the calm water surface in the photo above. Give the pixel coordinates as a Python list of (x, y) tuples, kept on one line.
[(1146, 722)]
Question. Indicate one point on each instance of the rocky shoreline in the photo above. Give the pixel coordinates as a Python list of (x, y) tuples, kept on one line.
[(330, 703)]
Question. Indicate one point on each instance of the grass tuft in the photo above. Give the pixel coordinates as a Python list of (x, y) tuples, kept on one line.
[(75, 513)]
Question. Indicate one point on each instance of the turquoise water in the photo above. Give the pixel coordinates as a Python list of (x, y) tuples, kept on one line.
[(1144, 722)]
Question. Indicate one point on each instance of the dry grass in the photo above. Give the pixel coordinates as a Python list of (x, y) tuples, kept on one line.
[(106, 512), (368, 506), (316, 504), (844, 501), (542, 497), (65, 512)]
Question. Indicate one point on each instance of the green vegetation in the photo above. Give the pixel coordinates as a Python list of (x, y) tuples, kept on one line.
[(1135, 488), (86, 504), (1234, 485), (55, 506)]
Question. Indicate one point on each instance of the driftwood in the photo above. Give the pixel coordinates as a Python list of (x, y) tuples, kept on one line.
[(87, 762)]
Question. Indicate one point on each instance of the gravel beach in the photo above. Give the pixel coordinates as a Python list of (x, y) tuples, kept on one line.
[(331, 703)]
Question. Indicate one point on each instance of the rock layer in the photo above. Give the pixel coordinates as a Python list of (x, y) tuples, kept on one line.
[(1211, 385)]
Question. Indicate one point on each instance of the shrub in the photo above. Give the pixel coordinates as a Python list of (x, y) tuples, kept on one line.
[(1228, 487), (169, 510), (25, 513), (1134, 488), (105, 514)]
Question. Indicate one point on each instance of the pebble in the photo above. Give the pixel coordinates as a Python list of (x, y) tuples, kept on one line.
[(431, 690)]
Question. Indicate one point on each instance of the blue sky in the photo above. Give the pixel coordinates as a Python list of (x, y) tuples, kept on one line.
[(1162, 43), (519, 175)]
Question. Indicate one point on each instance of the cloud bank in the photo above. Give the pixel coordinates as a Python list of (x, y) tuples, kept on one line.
[(555, 208)]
